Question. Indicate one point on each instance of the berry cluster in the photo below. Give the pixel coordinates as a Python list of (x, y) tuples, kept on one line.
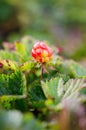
[(41, 52)]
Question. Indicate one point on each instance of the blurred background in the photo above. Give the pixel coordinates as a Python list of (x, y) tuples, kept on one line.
[(61, 22)]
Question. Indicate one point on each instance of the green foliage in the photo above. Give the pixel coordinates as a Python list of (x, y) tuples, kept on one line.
[(73, 69), (78, 70), (41, 89), (57, 90), (37, 99), (56, 98), (27, 66), (21, 51), (7, 55), (12, 87), (12, 84)]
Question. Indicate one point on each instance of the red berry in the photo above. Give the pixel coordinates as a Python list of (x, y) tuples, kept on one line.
[(41, 52)]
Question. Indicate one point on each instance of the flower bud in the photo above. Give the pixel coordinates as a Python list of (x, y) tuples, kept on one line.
[(41, 52)]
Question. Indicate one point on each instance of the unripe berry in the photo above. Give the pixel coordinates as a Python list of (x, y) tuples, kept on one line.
[(41, 52)]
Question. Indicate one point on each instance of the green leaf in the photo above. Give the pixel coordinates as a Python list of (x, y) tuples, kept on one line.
[(52, 88), (77, 70), (9, 65), (72, 87), (16, 83), (28, 42), (57, 90), (36, 95), (71, 69), (8, 55), (11, 84), (27, 66), (21, 51), (12, 87)]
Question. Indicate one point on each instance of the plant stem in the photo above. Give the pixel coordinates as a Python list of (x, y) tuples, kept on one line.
[(41, 71)]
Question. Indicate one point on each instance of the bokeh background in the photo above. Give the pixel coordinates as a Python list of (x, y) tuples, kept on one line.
[(61, 22)]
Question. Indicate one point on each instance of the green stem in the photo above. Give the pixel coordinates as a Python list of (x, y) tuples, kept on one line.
[(41, 71)]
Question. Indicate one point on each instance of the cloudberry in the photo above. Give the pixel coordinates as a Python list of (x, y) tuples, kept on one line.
[(42, 52)]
